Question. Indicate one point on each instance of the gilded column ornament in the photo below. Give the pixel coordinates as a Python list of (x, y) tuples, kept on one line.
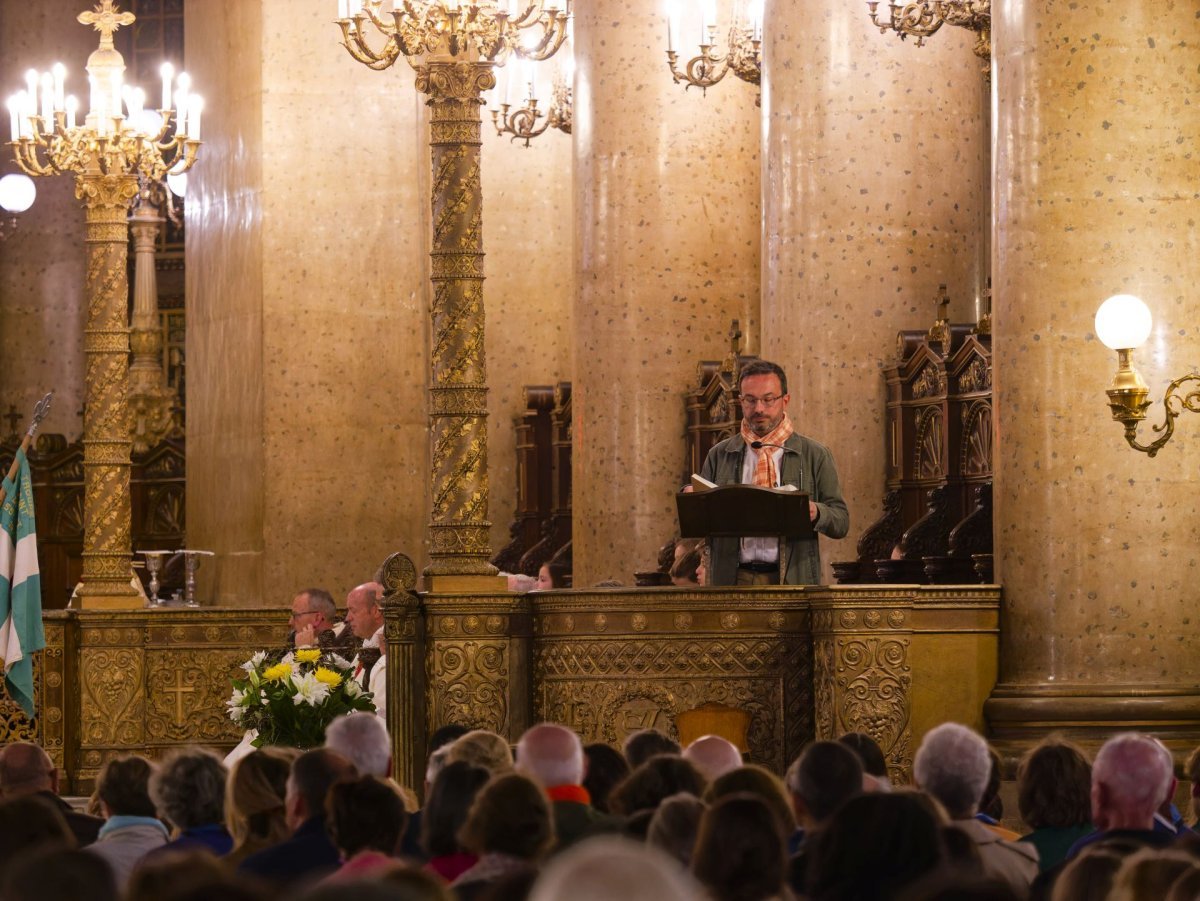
[(404, 634), (458, 525), (106, 426), (454, 48)]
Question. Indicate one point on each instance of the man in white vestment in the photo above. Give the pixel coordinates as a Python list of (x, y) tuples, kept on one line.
[(365, 616)]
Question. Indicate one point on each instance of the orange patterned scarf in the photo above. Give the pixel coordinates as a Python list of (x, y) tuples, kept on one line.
[(765, 475)]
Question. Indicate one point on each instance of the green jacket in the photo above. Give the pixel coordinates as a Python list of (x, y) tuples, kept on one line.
[(807, 465)]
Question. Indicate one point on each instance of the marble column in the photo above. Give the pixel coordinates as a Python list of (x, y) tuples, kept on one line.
[(1095, 172), (307, 282), (667, 237), (874, 193)]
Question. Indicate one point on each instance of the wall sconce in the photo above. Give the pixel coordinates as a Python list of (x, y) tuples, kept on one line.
[(1123, 323)]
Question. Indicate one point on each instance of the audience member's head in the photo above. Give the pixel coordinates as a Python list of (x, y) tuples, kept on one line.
[(759, 781), (189, 789), (741, 850), (123, 787), (656, 779), (683, 571), (713, 756), (255, 799), (30, 824), (608, 867), (362, 738), (952, 764), (1054, 784), (1150, 874), (61, 874), (447, 805), (364, 609), (551, 755), (875, 845), (991, 804), (674, 826), (485, 749), (439, 750), (822, 779), (641, 746), (313, 774), (177, 876), (870, 755), (1087, 876), (411, 884), (553, 575), (362, 814), (1129, 781), (26, 769), (606, 767), (511, 816), (1186, 887), (1192, 770), (956, 884)]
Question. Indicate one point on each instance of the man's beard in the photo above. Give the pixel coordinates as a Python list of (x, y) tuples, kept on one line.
[(764, 426)]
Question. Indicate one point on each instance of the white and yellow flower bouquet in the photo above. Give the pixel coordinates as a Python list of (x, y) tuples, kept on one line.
[(290, 699)]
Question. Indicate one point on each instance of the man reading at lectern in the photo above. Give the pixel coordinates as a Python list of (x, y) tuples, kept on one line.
[(783, 458)]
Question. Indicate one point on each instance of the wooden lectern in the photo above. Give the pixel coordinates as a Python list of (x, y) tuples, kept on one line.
[(745, 511)]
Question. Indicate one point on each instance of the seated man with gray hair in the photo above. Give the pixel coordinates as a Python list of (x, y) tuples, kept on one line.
[(362, 738), (1130, 778), (552, 756), (953, 766)]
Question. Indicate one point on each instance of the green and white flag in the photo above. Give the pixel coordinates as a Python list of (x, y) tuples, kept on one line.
[(20, 587)]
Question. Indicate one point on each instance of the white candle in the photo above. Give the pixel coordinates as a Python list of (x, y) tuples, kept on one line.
[(670, 26), (343, 9), (31, 83), (14, 116), (60, 77), (118, 85), (167, 71), (533, 81), (182, 85), (195, 108), (72, 104), (48, 101)]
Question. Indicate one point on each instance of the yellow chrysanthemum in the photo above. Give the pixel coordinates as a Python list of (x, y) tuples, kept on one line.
[(278, 672), (308, 655), (328, 676)]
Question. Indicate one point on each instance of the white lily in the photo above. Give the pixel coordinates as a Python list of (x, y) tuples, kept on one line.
[(309, 690), (254, 662)]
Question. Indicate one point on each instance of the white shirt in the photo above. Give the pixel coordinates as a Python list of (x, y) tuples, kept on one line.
[(760, 550), (377, 684)]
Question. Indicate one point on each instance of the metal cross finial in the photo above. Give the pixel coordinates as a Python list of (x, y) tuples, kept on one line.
[(106, 20), (735, 338)]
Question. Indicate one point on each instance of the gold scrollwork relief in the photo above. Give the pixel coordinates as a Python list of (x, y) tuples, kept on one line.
[(186, 695), (113, 696), (468, 684)]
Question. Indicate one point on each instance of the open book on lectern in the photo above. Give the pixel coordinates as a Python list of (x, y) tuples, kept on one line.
[(742, 511)]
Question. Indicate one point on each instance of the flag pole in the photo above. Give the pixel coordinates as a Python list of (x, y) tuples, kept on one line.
[(40, 409)]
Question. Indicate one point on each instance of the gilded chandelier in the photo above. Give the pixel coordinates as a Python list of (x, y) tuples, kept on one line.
[(488, 30), (922, 18), (742, 54)]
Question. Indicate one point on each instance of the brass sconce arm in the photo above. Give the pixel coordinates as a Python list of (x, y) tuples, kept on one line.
[(1127, 398)]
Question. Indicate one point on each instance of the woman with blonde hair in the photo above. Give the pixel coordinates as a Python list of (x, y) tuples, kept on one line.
[(254, 802)]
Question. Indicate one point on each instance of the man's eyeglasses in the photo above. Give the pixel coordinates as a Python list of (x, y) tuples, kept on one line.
[(750, 402), (296, 614)]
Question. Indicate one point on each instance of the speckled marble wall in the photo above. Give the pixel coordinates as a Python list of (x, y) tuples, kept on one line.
[(307, 351), (42, 263), (874, 193), (528, 212), (1096, 194), (667, 194)]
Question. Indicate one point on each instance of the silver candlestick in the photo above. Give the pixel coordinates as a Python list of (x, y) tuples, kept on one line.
[(154, 565), (191, 561)]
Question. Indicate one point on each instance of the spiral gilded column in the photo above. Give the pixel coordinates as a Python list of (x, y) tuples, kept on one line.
[(458, 526), (106, 436)]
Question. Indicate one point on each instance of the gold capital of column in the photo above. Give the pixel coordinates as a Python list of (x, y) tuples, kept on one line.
[(107, 553), (459, 530)]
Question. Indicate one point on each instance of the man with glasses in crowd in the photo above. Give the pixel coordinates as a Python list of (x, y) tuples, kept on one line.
[(314, 623), (785, 458)]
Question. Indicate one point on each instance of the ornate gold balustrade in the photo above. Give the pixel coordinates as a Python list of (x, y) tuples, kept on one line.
[(804, 663)]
